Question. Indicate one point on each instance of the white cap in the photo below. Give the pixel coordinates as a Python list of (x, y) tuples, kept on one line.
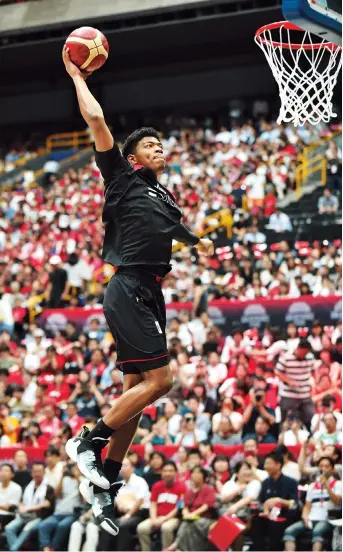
[(55, 260), (38, 333)]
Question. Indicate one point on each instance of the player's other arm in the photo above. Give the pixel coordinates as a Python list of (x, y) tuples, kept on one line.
[(90, 108), (183, 235)]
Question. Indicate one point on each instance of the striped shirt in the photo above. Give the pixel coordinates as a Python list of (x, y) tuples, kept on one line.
[(299, 372)]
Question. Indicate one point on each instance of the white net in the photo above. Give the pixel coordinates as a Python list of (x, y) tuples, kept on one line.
[(306, 73)]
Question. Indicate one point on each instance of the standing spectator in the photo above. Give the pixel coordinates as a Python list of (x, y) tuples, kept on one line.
[(22, 474), (327, 203), (278, 497), (323, 497), (334, 167), (38, 502), (57, 284), (53, 531), (165, 496), (295, 372), (10, 494), (197, 515)]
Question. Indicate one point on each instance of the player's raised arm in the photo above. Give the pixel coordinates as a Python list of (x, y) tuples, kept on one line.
[(90, 109)]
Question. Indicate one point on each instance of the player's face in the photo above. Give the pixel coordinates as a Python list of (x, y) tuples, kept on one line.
[(149, 153)]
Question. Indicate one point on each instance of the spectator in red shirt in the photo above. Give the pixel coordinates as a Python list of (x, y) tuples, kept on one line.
[(165, 496), (97, 365), (73, 419), (52, 362), (49, 423), (197, 514), (59, 391)]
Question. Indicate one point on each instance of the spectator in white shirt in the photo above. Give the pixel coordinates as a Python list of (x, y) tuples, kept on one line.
[(10, 494), (217, 371), (292, 433), (190, 436), (280, 222), (254, 236), (54, 467)]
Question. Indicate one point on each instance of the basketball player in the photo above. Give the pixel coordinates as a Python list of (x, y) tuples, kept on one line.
[(141, 219)]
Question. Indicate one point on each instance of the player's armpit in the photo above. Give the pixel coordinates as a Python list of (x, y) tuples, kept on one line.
[(102, 135)]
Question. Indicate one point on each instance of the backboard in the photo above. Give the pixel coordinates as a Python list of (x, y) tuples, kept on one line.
[(321, 17)]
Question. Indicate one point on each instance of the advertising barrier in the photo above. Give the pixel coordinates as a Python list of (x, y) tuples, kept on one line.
[(224, 313)]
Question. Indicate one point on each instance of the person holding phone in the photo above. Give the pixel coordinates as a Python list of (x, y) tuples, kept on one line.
[(323, 501)]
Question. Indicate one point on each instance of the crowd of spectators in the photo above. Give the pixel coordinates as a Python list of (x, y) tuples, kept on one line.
[(255, 391), (51, 237), (243, 391)]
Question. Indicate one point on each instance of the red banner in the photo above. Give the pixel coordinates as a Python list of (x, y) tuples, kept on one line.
[(224, 313), (37, 454)]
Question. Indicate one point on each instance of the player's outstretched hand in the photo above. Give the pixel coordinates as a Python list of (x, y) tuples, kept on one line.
[(71, 68), (205, 247)]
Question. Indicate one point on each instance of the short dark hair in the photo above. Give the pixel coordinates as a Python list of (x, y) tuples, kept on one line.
[(331, 460), (53, 451), (194, 451), (9, 466), (201, 470), (136, 136), (275, 456), (169, 463), (156, 453), (37, 463)]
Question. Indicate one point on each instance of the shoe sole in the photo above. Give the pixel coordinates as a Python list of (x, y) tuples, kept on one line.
[(71, 450)]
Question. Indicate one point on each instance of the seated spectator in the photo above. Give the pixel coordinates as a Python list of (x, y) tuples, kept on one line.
[(290, 466), (190, 435), (153, 472), (33, 436), (54, 466), (49, 423), (262, 432), (159, 434), (279, 222), (227, 408), (253, 236), (221, 472), (256, 409), (87, 526), (74, 420), (37, 504), (87, 398), (196, 408), (323, 499), (54, 530), (328, 404), (5, 441), (181, 460), (132, 506), (292, 432), (331, 436), (10, 494), (278, 498), (10, 423), (225, 434), (165, 496), (217, 371), (327, 203), (22, 474), (237, 495), (174, 419), (207, 454), (197, 514)]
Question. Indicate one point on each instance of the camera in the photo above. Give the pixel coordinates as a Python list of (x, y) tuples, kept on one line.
[(258, 398)]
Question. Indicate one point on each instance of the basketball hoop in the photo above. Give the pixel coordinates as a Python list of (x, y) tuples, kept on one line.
[(306, 72)]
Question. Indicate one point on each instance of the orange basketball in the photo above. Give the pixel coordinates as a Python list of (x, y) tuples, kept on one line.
[(88, 48)]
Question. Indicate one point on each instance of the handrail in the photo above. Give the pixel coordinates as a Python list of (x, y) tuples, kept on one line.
[(75, 140), (307, 168)]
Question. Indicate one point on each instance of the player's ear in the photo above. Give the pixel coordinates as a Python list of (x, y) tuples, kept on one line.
[(132, 159)]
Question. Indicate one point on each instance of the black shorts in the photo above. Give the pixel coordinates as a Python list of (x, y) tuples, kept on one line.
[(136, 315)]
